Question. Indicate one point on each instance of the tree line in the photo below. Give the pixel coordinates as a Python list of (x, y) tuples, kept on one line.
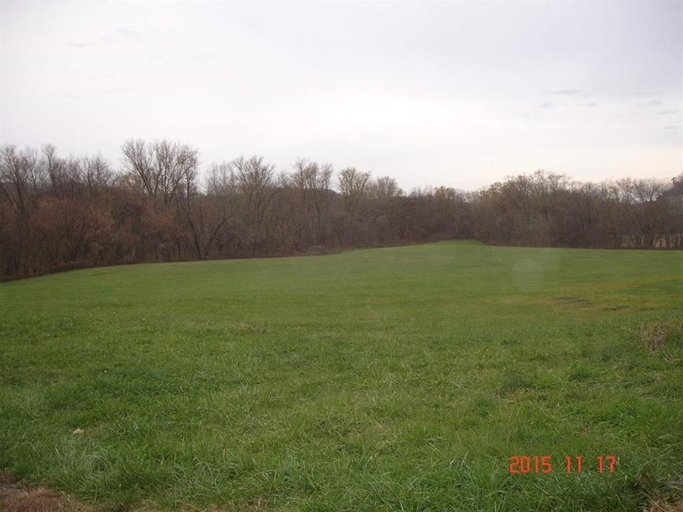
[(61, 213)]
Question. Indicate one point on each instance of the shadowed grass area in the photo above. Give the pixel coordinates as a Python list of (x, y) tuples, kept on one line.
[(387, 379)]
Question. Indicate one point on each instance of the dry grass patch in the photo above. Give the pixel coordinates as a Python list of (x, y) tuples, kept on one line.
[(656, 506), (655, 335), (16, 497), (243, 327)]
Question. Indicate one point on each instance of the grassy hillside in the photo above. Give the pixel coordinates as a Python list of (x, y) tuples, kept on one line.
[(388, 379)]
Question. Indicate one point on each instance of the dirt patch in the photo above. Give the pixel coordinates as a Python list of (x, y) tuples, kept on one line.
[(16, 497)]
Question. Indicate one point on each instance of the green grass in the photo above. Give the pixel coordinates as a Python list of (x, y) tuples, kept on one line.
[(387, 379)]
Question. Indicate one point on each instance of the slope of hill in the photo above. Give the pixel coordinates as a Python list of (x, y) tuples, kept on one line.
[(450, 376)]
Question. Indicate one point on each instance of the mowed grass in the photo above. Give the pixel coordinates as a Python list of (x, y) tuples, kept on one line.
[(384, 379)]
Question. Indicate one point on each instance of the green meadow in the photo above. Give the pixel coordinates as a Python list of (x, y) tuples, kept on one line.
[(372, 380)]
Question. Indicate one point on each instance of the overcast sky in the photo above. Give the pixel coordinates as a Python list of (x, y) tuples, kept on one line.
[(460, 94)]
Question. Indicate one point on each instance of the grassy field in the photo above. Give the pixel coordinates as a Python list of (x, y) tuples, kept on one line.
[(385, 379)]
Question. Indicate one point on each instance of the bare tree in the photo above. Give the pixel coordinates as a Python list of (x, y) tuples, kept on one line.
[(19, 177), (257, 187), (98, 174), (55, 169), (157, 170), (16, 169), (211, 218), (646, 218), (353, 185), (312, 183), (383, 188), (349, 226)]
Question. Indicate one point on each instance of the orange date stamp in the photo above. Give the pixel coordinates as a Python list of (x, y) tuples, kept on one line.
[(525, 464)]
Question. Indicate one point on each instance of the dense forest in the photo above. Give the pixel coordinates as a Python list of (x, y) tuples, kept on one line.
[(62, 213)]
